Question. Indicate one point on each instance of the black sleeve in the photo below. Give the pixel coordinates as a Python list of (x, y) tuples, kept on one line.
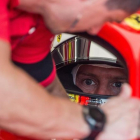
[(40, 70)]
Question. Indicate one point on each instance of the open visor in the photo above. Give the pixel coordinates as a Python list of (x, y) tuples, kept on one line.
[(77, 51)]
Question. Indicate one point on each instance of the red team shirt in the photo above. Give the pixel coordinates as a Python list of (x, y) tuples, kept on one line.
[(30, 39), (30, 44)]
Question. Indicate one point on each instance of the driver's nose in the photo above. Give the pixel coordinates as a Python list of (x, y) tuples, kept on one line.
[(102, 90)]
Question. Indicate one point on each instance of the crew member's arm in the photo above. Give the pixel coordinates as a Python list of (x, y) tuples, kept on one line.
[(26, 108), (56, 88), (72, 15), (58, 15), (29, 110)]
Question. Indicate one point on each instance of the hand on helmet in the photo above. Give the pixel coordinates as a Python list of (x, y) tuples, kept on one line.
[(122, 116), (78, 15)]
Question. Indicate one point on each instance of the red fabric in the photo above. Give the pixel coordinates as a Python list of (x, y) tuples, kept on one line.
[(28, 48), (15, 24), (14, 3), (32, 48), (4, 135), (4, 24)]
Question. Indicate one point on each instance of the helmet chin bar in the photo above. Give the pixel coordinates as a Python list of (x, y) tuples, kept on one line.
[(87, 99)]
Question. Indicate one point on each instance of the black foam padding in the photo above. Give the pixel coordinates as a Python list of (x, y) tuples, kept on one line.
[(40, 70), (65, 76)]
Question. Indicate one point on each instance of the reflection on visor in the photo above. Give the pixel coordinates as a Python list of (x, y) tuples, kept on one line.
[(87, 99)]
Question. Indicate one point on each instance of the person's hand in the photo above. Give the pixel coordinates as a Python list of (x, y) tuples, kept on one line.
[(59, 16), (122, 117), (73, 16)]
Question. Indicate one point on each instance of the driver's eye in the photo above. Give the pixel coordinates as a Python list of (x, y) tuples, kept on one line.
[(89, 82), (117, 84)]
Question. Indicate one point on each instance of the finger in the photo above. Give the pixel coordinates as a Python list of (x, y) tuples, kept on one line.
[(126, 91), (94, 30), (115, 110), (122, 97)]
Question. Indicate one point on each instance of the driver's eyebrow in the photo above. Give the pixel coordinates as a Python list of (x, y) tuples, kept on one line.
[(120, 78), (88, 74), (111, 77)]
